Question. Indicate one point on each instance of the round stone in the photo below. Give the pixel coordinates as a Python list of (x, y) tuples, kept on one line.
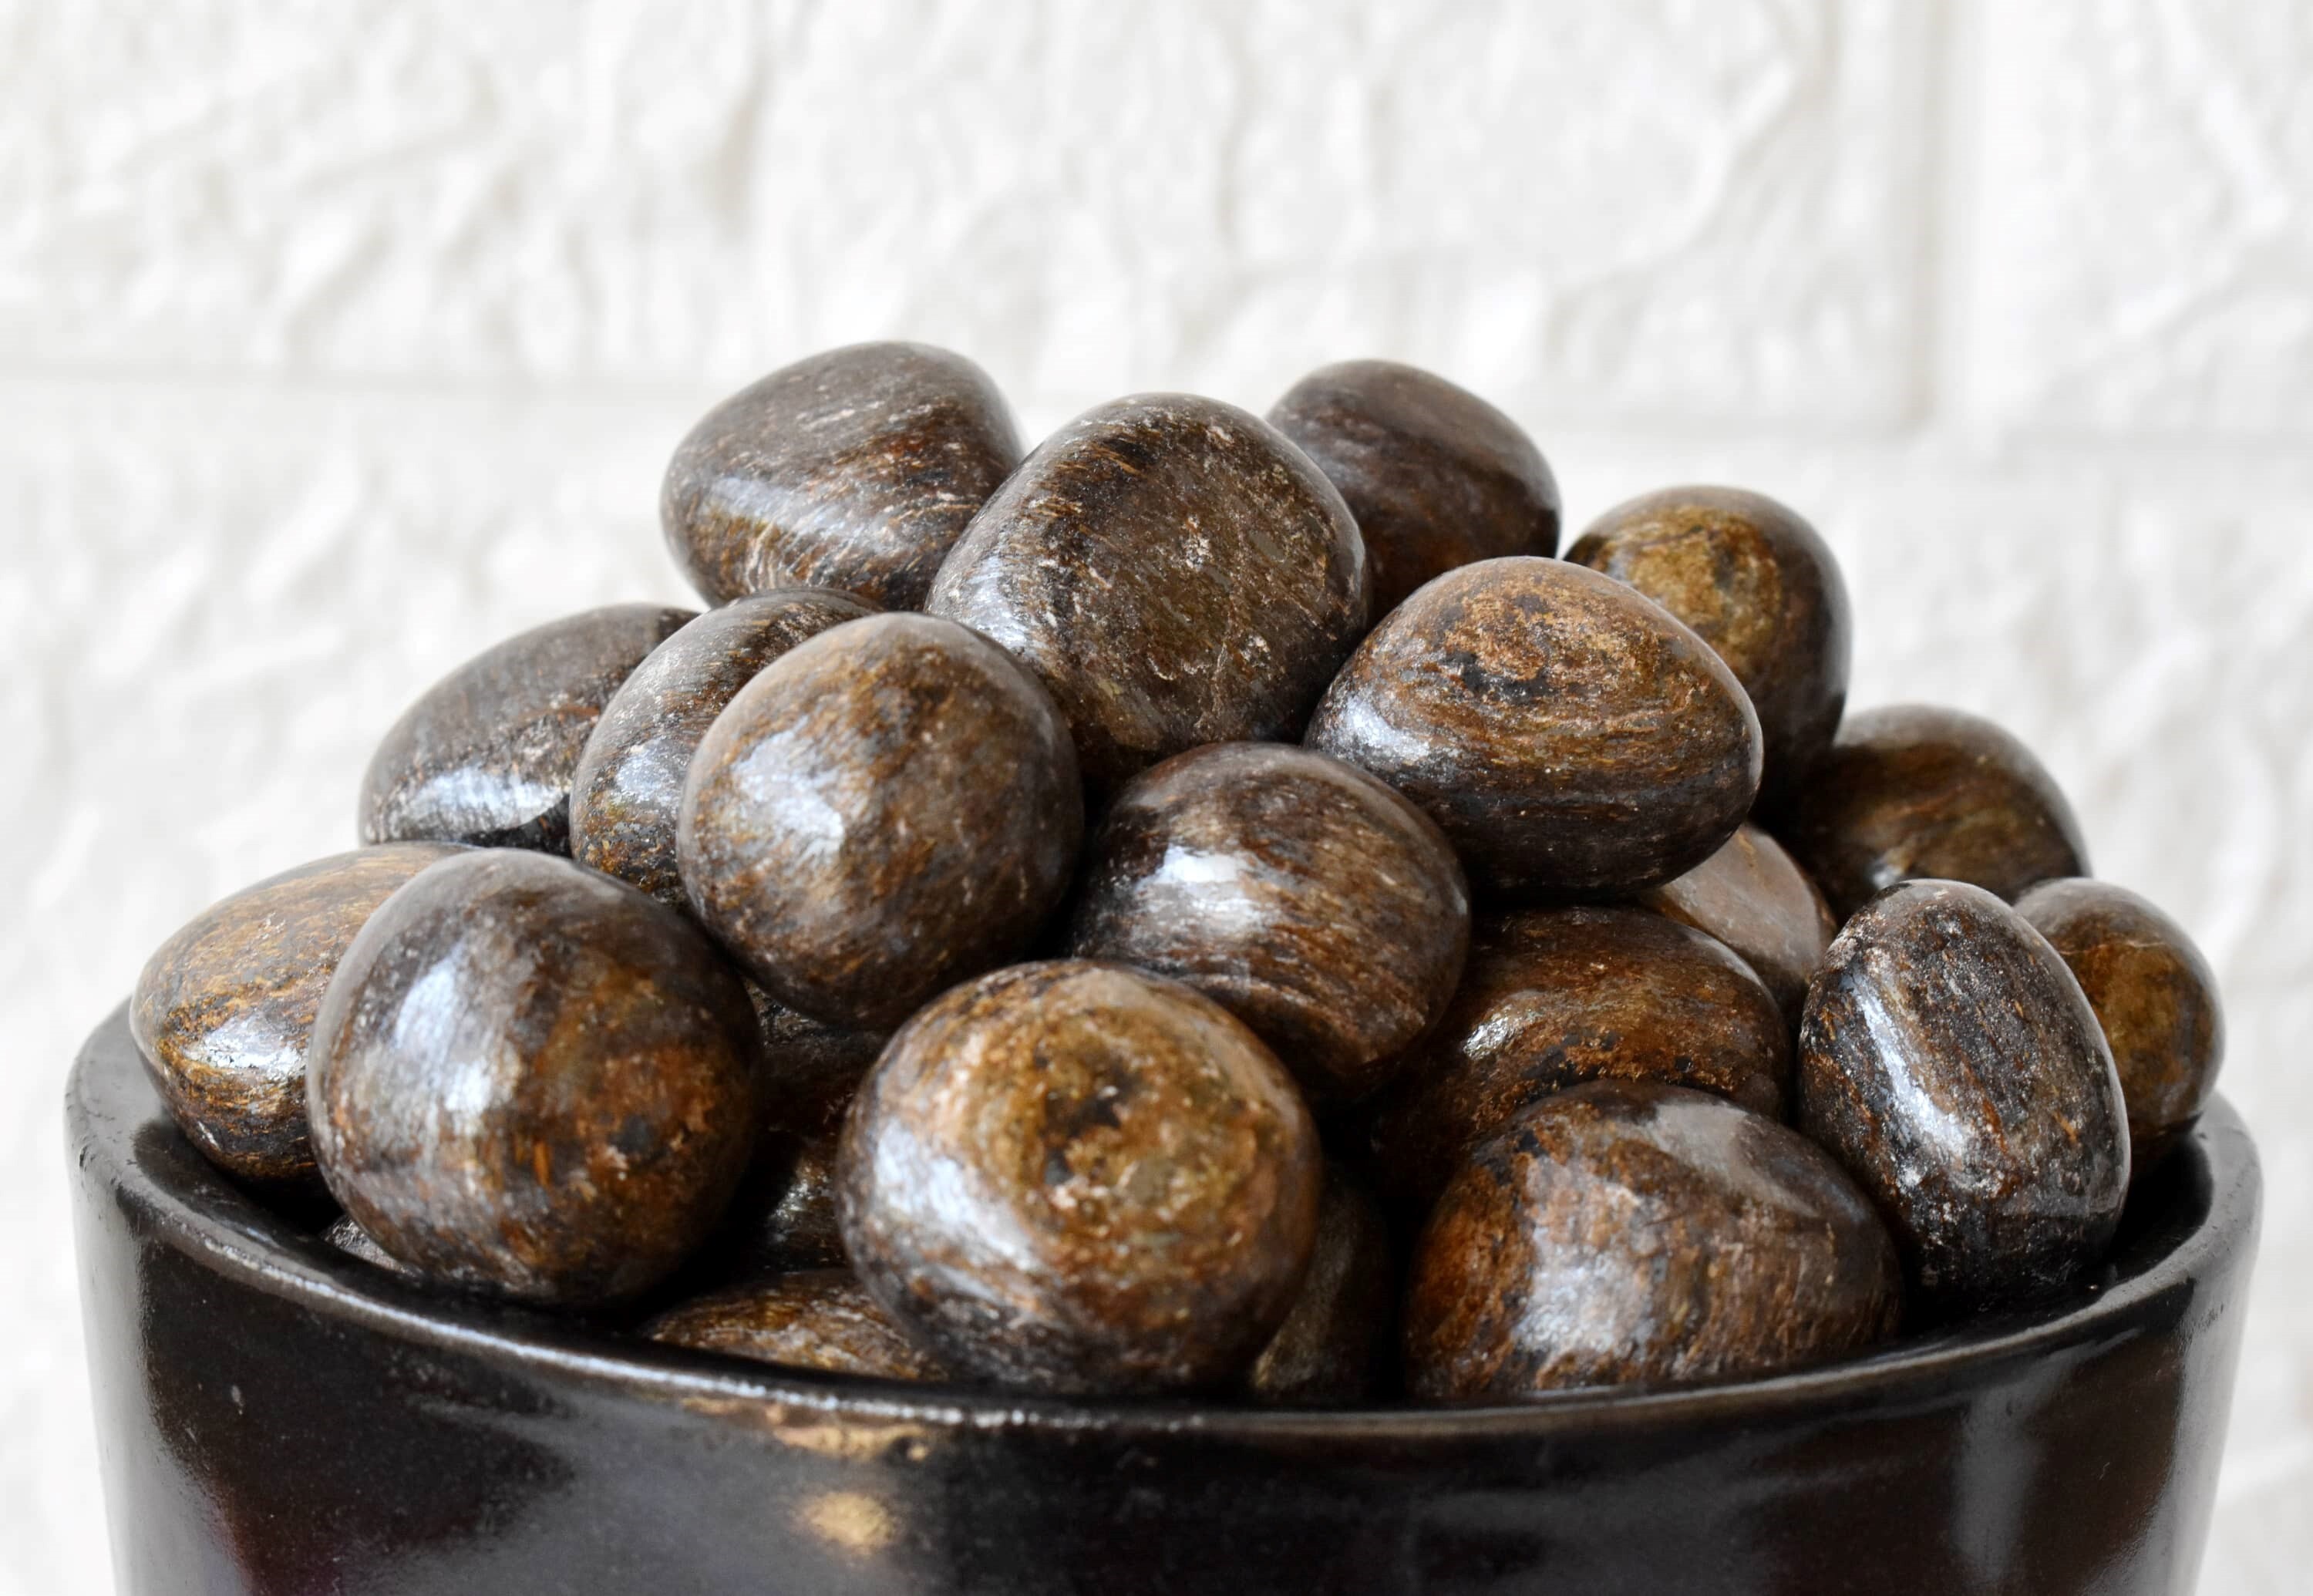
[(810, 1319), (1175, 571), (486, 755), (1435, 476), (1948, 1060), (532, 1080), (1752, 895), (225, 1007), (1076, 1176), (627, 788), (1298, 893), (884, 811), (1565, 732), (1331, 1348), (853, 470), (1633, 1233)]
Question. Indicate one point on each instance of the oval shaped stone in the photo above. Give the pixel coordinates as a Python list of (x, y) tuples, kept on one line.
[(885, 810), (486, 754), (532, 1080), (1435, 476), (809, 1319), (225, 1008), (1948, 1060), (1076, 1176), (2155, 1000), (1298, 893), (1759, 584), (1331, 1345), (1752, 896), (853, 470), (1175, 571), (1630, 1232), (1567, 733), (627, 788), (1912, 792), (1555, 997)]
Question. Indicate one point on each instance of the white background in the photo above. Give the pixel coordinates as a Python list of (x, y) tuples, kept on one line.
[(332, 350)]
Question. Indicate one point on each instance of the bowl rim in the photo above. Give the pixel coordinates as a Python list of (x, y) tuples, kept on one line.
[(199, 1213)]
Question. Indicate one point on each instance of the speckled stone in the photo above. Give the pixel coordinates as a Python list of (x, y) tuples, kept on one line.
[(1298, 893), (225, 1007), (1630, 1232), (1761, 587), (1175, 571), (1567, 733), (812, 1318), (1949, 1060), (350, 1238), (1332, 1344), (628, 789), (1076, 1176), (885, 810), (534, 1079), (853, 470), (1752, 895), (1434, 475), (2155, 998), (486, 754), (1555, 997), (1913, 793)]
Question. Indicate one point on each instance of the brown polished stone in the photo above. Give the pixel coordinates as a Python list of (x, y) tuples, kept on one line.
[(1434, 475), (1331, 1345), (1555, 997), (529, 1078), (1760, 585), (225, 1007), (487, 754), (813, 1318), (1567, 733), (628, 784), (2155, 998), (1630, 1232), (885, 810), (1080, 1177), (1949, 1060), (1175, 571), (1752, 895), (853, 470), (1913, 793), (1301, 895)]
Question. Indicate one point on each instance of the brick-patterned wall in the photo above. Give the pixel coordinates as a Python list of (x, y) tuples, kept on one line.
[(336, 342)]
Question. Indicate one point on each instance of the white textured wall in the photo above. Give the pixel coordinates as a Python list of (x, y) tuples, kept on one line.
[(332, 350)]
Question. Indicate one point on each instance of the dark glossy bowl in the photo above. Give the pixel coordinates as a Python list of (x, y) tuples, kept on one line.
[(275, 1416)]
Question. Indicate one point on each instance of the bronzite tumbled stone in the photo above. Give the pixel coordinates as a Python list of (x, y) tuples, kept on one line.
[(1567, 735), (1752, 895), (1335, 1338), (1175, 571), (853, 470), (810, 1319)]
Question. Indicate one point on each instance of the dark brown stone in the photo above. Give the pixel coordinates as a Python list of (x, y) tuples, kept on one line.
[(854, 470), (629, 785), (1080, 1177), (1752, 895), (1555, 997), (2155, 998), (1175, 571), (813, 1318), (884, 811), (1949, 1060), (1760, 585), (1630, 1232), (1301, 895), (1434, 475), (1567, 733), (1331, 1345), (531, 1079), (225, 1007), (1912, 792), (487, 754)]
